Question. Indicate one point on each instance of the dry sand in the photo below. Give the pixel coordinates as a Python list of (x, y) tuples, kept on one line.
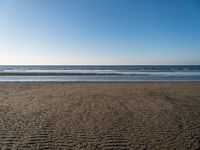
[(100, 115)]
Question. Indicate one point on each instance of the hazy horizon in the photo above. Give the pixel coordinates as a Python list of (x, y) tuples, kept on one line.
[(92, 32), (100, 64)]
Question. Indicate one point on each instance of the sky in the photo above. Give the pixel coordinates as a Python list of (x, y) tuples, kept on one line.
[(99, 32)]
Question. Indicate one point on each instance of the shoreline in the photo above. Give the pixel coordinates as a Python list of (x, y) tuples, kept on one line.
[(99, 82)]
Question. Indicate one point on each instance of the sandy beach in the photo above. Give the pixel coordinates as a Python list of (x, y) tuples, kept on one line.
[(100, 115)]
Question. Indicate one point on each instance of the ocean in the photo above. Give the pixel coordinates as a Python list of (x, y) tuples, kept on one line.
[(135, 73)]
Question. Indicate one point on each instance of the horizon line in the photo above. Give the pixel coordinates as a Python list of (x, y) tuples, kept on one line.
[(99, 64)]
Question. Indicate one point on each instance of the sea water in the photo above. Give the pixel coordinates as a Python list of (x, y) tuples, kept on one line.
[(105, 73)]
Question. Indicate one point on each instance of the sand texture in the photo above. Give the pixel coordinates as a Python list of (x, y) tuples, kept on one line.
[(99, 116)]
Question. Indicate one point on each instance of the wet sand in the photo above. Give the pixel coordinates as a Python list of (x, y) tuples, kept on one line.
[(100, 115)]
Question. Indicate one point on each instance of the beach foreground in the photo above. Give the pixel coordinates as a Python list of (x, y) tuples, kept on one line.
[(100, 115)]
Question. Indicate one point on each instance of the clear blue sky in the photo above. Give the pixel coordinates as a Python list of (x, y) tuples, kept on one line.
[(99, 32)]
